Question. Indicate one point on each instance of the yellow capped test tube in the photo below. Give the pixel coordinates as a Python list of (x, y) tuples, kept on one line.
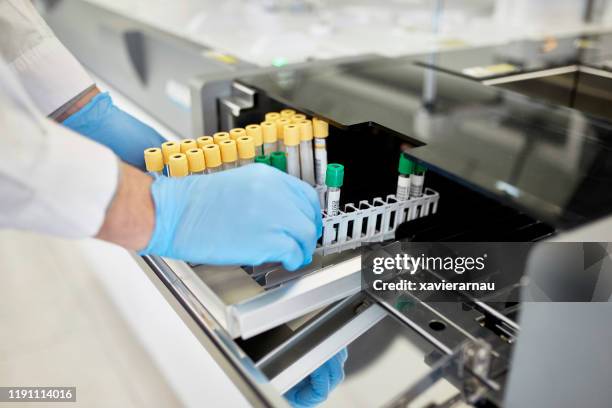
[(220, 137), (195, 159), (272, 116), (256, 133), (204, 140), (280, 132), (306, 158), (246, 150), (188, 144), (178, 165), (287, 113), (229, 154), (297, 118), (236, 133), (168, 149), (154, 161), (270, 137), (212, 157), (320, 130), (292, 148)]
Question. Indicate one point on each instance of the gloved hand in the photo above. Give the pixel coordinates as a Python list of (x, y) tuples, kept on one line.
[(244, 216), (314, 389), (102, 121)]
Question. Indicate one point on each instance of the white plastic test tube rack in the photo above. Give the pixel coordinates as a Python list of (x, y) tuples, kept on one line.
[(372, 222)]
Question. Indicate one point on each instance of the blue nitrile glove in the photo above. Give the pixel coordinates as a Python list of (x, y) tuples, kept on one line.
[(102, 121), (245, 216), (315, 388)]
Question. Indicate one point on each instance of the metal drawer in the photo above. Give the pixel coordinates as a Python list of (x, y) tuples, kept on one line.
[(245, 308)]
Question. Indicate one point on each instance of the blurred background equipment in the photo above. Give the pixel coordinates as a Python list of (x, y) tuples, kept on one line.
[(145, 39)]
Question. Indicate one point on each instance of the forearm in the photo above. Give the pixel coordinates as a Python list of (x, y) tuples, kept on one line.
[(130, 217)]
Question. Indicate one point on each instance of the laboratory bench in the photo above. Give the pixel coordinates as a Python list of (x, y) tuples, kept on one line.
[(517, 142)]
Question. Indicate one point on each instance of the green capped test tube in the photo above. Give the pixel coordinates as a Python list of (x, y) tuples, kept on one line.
[(334, 178), (405, 168), (279, 160)]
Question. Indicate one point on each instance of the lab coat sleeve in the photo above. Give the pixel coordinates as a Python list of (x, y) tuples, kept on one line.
[(52, 180), (48, 71)]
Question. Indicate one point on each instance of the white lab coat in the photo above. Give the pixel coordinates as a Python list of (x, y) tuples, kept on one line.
[(52, 180)]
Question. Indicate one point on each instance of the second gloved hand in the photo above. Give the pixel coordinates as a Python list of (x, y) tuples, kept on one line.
[(314, 389), (102, 121), (246, 216)]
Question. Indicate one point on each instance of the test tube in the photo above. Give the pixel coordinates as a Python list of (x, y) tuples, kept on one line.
[(280, 133), (168, 149), (188, 144), (255, 132), (204, 140), (269, 137), (220, 137), (287, 113), (334, 178), (321, 131), (237, 133), (178, 165), (246, 150), (297, 118), (306, 158), (264, 159), (292, 147), (154, 161), (229, 154), (417, 180), (403, 180), (212, 157), (195, 159), (279, 160), (272, 116)]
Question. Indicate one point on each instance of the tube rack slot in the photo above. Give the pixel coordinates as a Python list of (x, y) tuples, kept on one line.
[(374, 221)]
